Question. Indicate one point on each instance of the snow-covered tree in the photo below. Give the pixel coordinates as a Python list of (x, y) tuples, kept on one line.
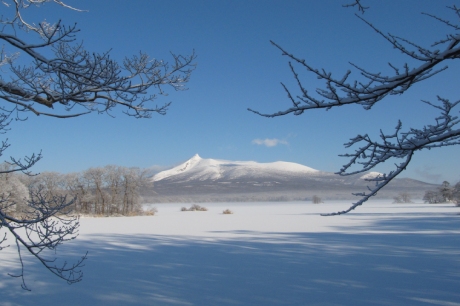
[(372, 88), (433, 197), (13, 192), (107, 190), (456, 194), (446, 191), (402, 197), (63, 80), (316, 200), (443, 194)]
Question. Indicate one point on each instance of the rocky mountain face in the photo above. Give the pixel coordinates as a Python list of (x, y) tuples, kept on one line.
[(211, 180)]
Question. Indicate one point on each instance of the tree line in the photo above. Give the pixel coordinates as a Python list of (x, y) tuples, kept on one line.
[(108, 190)]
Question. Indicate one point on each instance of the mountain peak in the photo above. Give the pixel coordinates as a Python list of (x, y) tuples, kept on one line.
[(184, 167), (206, 179), (195, 157), (197, 168)]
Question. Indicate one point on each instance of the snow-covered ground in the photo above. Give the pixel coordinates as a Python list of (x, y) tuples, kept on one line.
[(263, 254)]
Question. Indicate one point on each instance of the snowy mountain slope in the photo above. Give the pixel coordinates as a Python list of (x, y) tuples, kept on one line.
[(371, 175), (213, 180), (197, 168)]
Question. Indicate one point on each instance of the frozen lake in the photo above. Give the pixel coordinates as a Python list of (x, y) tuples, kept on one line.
[(263, 254)]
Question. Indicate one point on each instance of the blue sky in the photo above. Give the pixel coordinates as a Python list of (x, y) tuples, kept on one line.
[(237, 68)]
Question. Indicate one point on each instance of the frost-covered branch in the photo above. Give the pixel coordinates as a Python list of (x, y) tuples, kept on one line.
[(42, 225), (45, 72), (372, 88), (400, 145), (375, 86), (78, 80)]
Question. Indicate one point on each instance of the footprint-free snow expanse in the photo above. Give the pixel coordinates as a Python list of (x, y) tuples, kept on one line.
[(263, 254)]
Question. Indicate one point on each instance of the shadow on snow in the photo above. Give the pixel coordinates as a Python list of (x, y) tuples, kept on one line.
[(410, 267)]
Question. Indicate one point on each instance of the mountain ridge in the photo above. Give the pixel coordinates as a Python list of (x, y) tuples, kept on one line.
[(214, 180), (214, 169)]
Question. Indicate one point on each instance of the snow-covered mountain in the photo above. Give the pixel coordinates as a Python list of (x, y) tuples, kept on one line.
[(204, 180), (370, 175), (197, 168)]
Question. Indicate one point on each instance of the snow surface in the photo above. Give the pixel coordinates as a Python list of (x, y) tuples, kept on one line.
[(212, 169), (263, 254), (371, 175)]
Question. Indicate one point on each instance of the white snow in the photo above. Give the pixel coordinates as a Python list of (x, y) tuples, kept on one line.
[(371, 175), (263, 254), (184, 167), (202, 169)]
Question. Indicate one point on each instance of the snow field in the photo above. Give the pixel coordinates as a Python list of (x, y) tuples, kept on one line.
[(263, 254)]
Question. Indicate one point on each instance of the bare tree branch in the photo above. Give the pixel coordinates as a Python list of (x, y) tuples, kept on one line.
[(374, 88), (64, 80), (401, 146), (43, 225), (78, 79), (357, 4)]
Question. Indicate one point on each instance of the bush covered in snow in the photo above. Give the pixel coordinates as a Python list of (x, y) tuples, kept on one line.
[(194, 207), (316, 200), (403, 197)]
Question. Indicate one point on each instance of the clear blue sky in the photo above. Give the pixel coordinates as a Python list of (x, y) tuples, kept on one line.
[(238, 68)]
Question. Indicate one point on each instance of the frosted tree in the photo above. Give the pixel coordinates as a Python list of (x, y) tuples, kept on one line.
[(46, 72), (446, 191), (13, 189), (402, 197), (456, 194), (443, 194), (373, 87), (316, 200)]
